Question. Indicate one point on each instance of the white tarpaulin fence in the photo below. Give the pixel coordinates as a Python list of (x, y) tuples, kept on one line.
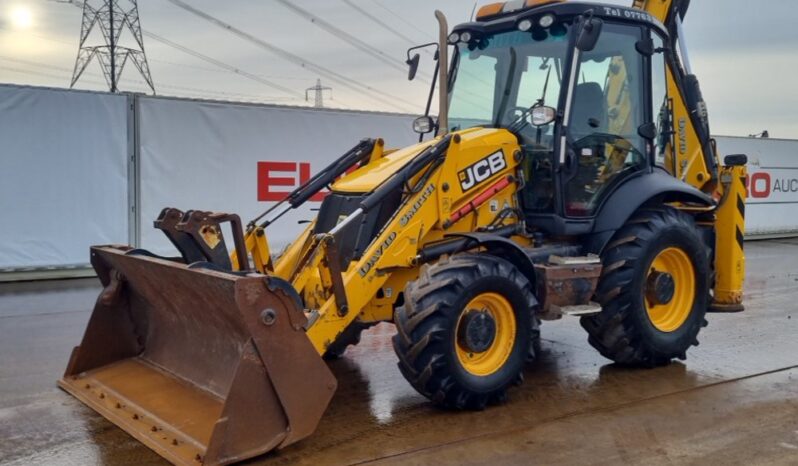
[(772, 204), (63, 175), (82, 168), (239, 158)]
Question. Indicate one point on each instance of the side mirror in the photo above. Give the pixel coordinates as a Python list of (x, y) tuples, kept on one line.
[(737, 160), (423, 124), (413, 64), (589, 33), (542, 116)]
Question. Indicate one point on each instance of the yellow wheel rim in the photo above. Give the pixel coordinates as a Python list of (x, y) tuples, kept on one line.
[(493, 358), (668, 315)]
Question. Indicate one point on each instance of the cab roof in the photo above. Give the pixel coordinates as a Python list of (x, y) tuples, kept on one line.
[(493, 10), (501, 16)]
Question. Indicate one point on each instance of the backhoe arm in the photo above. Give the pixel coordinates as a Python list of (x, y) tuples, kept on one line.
[(692, 157)]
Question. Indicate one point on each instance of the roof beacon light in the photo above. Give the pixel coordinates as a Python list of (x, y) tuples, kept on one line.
[(524, 25), (546, 21)]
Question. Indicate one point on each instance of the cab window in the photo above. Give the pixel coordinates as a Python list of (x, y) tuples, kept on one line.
[(608, 108)]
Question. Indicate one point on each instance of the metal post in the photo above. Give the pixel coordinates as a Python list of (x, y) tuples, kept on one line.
[(112, 43), (134, 224)]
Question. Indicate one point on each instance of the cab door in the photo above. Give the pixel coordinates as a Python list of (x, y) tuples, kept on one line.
[(607, 115)]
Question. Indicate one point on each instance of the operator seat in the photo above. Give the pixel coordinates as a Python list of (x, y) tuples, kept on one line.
[(589, 111), (589, 116)]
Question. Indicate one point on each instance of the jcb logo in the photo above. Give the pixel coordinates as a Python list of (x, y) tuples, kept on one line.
[(482, 170)]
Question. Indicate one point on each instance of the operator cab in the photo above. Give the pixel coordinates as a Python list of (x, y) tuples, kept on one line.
[(598, 71)]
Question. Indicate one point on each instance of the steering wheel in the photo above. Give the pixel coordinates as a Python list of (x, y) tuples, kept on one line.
[(618, 143), (514, 114), (599, 139)]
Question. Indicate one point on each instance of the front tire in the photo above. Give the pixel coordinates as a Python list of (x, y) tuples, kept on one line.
[(466, 329), (654, 290)]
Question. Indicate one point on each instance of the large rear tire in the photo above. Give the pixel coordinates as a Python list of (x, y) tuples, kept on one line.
[(465, 330), (654, 290)]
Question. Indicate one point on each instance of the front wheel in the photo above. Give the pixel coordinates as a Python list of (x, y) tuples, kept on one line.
[(654, 290), (466, 329)]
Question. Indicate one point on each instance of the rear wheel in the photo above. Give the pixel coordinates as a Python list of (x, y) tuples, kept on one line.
[(466, 329), (654, 290)]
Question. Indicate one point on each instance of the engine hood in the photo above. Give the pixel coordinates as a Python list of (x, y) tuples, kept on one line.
[(368, 177)]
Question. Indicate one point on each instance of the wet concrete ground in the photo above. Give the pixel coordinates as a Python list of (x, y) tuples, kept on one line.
[(734, 401)]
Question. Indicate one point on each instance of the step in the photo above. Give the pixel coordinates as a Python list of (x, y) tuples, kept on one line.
[(583, 310)]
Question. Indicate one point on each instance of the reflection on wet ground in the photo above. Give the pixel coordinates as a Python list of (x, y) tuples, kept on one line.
[(735, 400)]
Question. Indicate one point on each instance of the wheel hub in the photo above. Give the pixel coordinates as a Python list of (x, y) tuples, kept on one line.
[(660, 288), (477, 331)]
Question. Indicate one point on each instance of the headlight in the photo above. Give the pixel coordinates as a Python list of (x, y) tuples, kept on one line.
[(546, 21), (454, 38), (525, 25), (465, 37)]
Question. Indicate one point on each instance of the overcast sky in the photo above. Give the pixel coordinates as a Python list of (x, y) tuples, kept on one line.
[(744, 52)]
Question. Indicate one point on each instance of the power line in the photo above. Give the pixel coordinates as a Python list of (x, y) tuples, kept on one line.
[(166, 62), (213, 61), (345, 36), (207, 93), (345, 81), (379, 21), (47, 75), (220, 70), (34, 63), (221, 64), (402, 19)]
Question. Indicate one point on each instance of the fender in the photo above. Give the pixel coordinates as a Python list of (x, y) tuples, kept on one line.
[(500, 246), (655, 187)]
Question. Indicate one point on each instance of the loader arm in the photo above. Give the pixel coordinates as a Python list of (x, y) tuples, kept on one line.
[(433, 209), (394, 247)]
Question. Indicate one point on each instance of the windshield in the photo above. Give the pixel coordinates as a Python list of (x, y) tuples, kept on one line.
[(497, 77)]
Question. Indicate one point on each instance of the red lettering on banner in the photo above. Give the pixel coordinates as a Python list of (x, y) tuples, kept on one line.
[(759, 185), (267, 182)]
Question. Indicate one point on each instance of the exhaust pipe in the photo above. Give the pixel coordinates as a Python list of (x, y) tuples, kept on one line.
[(443, 74)]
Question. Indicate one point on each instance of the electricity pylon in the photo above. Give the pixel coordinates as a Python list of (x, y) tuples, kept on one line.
[(112, 18)]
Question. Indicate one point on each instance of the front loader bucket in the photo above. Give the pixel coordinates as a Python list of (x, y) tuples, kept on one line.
[(203, 367)]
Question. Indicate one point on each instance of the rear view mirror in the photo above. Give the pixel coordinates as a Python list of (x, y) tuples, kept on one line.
[(589, 33), (423, 125), (736, 160), (542, 116), (413, 64)]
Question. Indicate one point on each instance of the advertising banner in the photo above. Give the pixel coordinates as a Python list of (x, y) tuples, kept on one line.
[(240, 158), (772, 204), (80, 168), (63, 175)]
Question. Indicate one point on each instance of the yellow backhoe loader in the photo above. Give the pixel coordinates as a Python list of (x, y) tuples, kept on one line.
[(570, 172)]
